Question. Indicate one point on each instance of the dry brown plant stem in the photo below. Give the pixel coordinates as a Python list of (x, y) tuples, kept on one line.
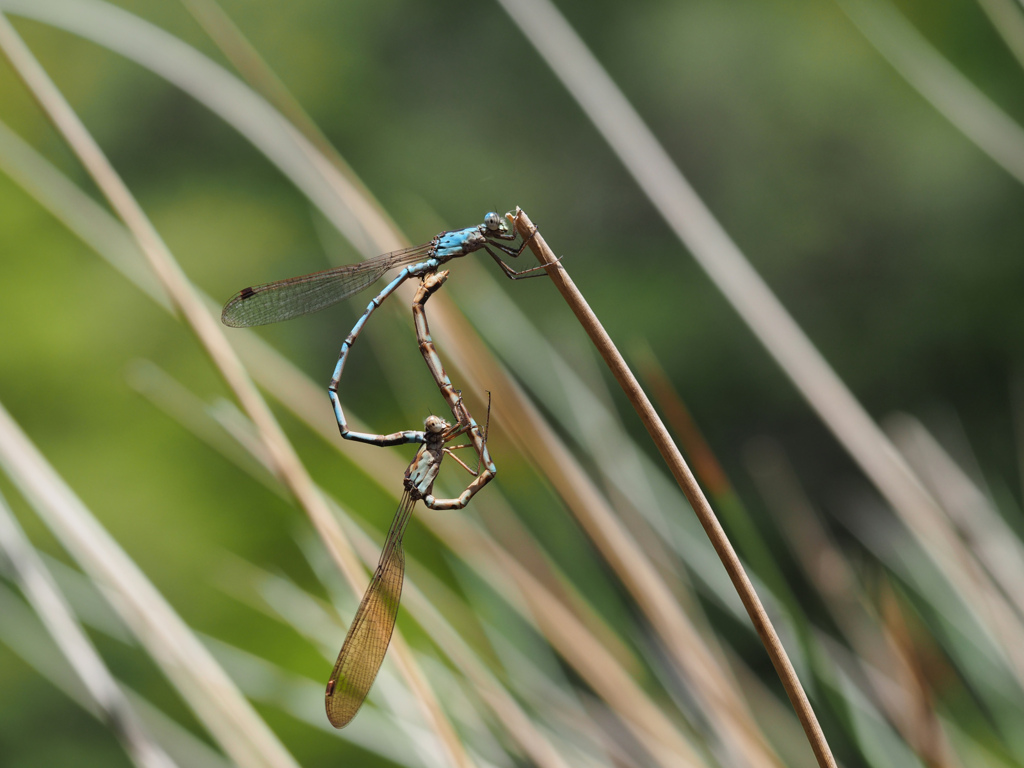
[(677, 465)]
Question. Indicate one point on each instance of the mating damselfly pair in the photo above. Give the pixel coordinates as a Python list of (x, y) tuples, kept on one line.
[(370, 632)]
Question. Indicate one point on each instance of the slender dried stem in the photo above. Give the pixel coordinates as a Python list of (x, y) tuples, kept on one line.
[(714, 250), (687, 483)]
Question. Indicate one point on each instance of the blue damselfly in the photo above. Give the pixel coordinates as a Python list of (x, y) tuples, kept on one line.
[(285, 299)]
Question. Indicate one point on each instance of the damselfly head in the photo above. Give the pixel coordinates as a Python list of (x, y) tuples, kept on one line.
[(435, 424), (494, 223)]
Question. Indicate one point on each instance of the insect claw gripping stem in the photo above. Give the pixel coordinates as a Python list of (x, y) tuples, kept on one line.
[(512, 274)]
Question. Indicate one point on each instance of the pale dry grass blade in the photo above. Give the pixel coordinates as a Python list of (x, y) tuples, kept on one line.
[(202, 683), (413, 746), (573, 642), (221, 92), (927, 734), (184, 746), (91, 222), (535, 675), (773, 713), (247, 60), (577, 645), (45, 597), (286, 462), (880, 745), (24, 635), (713, 479), (192, 412), (286, 601), (617, 458), (974, 651), (955, 97), (1017, 409), (575, 396), (1008, 21), (886, 667), (695, 225), (516, 722), (996, 546), (641, 482), (182, 405), (82, 215), (259, 680)]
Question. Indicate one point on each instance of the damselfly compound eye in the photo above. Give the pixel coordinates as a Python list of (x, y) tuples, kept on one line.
[(492, 221), (435, 424)]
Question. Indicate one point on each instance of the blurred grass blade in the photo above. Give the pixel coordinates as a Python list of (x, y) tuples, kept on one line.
[(100, 230), (247, 60), (287, 464), (923, 663), (1017, 409), (302, 698), (880, 745), (167, 394), (223, 94), (830, 572), (202, 683), (572, 639), (995, 544), (975, 652), (940, 83), (23, 633), (43, 595), (695, 225), (1007, 16), (82, 215)]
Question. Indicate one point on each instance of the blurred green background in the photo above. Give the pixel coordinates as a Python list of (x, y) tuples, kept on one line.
[(893, 240)]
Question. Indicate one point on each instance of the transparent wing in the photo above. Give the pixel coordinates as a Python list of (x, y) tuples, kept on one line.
[(368, 637), (285, 299)]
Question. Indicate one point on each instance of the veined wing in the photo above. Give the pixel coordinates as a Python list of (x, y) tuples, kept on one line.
[(285, 299), (368, 637)]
